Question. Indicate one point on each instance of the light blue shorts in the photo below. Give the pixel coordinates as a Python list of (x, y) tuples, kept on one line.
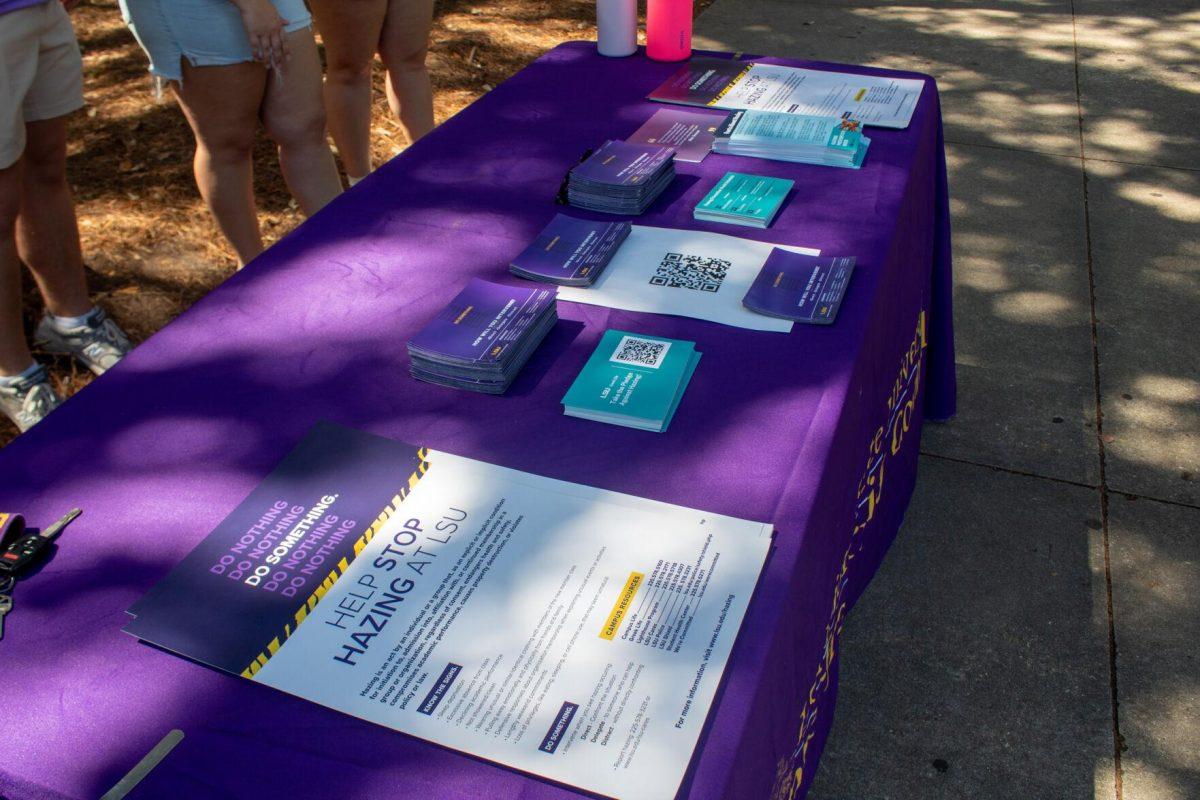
[(207, 33)]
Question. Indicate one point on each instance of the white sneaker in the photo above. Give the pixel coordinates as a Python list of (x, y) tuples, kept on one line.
[(98, 343), (28, 400)]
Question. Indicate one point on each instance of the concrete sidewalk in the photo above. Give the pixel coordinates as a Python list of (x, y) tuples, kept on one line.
[(1034, 631)]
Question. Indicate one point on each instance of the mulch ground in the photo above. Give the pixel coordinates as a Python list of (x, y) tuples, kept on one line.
[(150, 247)]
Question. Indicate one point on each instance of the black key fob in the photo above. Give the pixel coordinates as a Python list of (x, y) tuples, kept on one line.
[(21, 553), (26, 548)]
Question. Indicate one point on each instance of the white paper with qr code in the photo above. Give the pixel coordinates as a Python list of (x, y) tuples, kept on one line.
[(685, 273)]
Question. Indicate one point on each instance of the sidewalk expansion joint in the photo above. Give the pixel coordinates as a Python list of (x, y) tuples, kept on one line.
[(1118, 739), (1025, 473), (1011, 470), (1007, 148)]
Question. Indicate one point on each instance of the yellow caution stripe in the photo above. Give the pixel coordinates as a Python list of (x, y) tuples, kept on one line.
[(307, 607), (730, 85)]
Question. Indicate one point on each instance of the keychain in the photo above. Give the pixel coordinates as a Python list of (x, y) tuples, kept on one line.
[(20, 550), (26, 548)]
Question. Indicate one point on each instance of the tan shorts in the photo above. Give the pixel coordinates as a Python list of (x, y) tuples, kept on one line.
[(41, 72)]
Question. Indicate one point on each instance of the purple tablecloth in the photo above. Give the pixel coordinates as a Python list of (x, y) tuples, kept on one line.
[(817, 431)]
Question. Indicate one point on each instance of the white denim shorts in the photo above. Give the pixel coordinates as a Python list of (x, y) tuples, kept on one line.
[(207, 33)]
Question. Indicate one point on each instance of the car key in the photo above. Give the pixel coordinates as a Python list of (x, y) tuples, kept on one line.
[(5, 607), (27, 549)]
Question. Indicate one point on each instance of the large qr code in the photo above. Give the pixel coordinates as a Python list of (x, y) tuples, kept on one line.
[(683, 271), (640, 352)]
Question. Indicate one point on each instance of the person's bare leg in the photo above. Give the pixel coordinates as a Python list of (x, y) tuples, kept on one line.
[(221, 104), (47, 232), (403, 47), (14, 351), (350, 30), (294, 116)]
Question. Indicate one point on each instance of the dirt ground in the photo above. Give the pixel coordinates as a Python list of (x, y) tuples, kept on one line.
[(150, 246)]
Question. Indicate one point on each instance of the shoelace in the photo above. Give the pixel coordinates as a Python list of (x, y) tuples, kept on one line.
[(105, 334), (109, 332)]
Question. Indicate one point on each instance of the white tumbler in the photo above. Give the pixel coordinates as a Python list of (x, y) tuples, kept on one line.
[(616, 21)]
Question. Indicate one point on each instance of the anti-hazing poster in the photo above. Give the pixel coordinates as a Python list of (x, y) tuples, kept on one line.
[(719, 83), (569, 632)]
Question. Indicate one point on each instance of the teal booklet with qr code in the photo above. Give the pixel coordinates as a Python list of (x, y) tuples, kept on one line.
[(632, 380)]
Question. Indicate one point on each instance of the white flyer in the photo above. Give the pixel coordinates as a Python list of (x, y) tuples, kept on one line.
[(722, 83), (686, 273), (871, 99)]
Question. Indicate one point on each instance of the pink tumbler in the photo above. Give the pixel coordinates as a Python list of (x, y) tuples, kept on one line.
[(668, 29)]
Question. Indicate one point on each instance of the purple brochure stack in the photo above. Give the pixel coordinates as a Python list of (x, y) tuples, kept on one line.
[(570, 252), (482, 339), (621, 178)]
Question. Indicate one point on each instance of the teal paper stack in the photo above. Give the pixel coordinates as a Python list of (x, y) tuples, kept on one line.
[(632, 380), (827, 141), (740, 199)]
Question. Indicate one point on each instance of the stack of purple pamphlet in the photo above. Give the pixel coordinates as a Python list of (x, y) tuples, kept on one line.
[(570, 252), (482, 339), (621, 177)]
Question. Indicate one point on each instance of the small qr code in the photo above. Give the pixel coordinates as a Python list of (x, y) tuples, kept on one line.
[(683, 271), (640, 352)]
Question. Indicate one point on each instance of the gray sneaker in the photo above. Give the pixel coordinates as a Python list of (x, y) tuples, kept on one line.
[(98, 343), (29, 400)]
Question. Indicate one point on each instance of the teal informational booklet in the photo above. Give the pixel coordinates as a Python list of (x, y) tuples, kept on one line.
[(741, 199), (632, 380), (827, 141)]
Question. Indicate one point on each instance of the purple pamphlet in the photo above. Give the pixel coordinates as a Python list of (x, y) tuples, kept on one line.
[(482, 323), (800, 287), (621, 178), (689, 132), (618, 163), (570, 251), (480, 341)]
